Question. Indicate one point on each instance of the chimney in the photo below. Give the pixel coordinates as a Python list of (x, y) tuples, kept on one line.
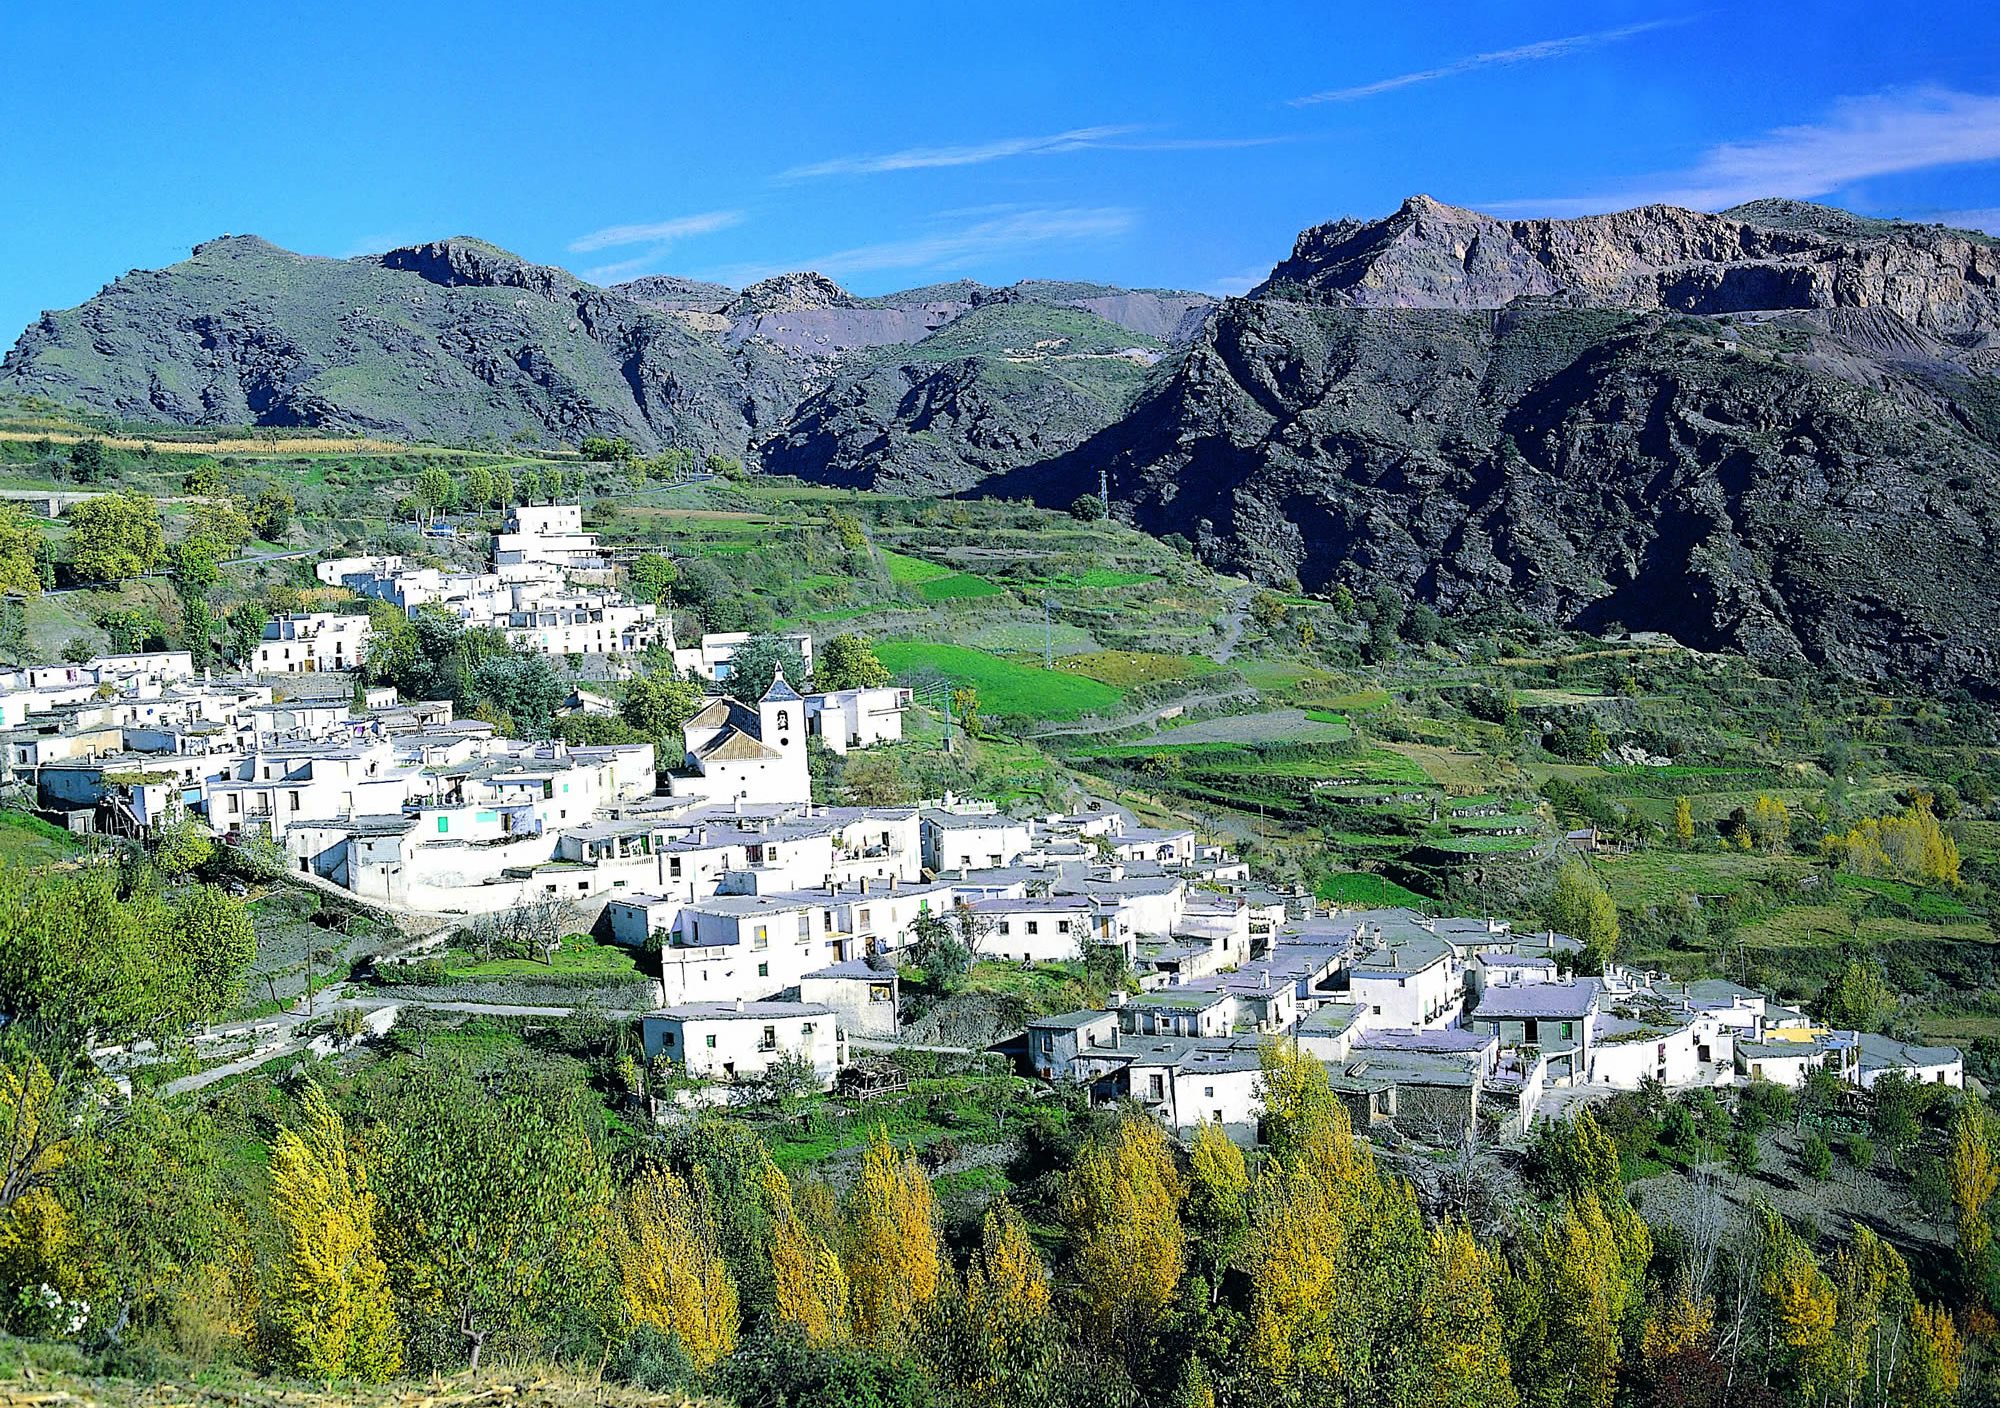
[(892, 882), (739, 1004), (1118, 998), (1265, 980)]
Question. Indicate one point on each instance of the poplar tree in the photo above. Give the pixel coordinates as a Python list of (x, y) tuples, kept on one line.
[(671, 1272), (330, 1311), (1121, 1206), (894, 1256)]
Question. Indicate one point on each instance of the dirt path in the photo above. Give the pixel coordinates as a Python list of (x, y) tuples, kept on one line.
[(1232, 635)]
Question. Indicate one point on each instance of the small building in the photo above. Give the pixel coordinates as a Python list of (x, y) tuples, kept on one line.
[(863, 996), (310, 642), (741, 1041), (857, 718), (1055, 1043), (1926, 1065)]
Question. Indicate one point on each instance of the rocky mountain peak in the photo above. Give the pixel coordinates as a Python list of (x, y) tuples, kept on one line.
[(790, 293), (238, 247)]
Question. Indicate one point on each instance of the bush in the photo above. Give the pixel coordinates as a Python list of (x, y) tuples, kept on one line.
[(1744, 1155), (1858, 1150)]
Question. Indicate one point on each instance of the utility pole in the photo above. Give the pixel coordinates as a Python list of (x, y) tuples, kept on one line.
[(1104, 489)]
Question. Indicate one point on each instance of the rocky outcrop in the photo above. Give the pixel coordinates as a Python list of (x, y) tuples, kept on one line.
[(1758, 257)]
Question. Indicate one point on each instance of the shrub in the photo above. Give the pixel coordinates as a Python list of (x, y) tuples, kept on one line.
[(1816, 1158), (1858, 1150)]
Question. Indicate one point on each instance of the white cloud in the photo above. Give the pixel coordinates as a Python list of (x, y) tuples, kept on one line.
[(621, 269), (955, 248), (1237, 284), (659, 232), (1879, 135), (1521, 54), (917, 158)]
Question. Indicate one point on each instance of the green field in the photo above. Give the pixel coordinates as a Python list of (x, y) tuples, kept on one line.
[(28, 840), (1358, 889), (1123, 669), (1005, 688)]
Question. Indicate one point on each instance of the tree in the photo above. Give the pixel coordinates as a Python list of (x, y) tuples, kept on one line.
[(1581, 907), (182, 845), (1860, 998), (329, 1306), (242, 628), (20, 551), (757, 662), (894, 1259), (478, 487), (524, 686), (434, 489), (965, 705), (1683, 822), (944, 946), (87, 460), (145, 1198), (1799, 1309), (219, 525), (1910, 843), (495, 1199), (1120, 1206), (1569, 1294), (1974, 1173), (808, 1283), (671, 1272), (271, 514), (113, 536), (1931, 1370), (1086, 508), (848, 661), (651, 578), (658, 706), (605, 449), (1217, 1207)]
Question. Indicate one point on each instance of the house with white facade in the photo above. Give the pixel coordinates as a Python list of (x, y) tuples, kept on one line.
[(741, 1041), (845, 719), (713, 658), (309, 642)]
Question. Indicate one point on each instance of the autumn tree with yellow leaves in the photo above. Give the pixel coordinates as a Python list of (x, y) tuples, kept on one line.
[(1121, 1208), (671, 1275), (329, 1311), (894, 1259), (808, 1284)]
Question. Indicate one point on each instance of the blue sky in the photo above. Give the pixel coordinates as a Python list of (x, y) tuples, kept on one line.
[(889, 145)]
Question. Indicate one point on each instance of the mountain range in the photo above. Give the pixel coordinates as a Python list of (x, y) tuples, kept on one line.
[(1774, 429)]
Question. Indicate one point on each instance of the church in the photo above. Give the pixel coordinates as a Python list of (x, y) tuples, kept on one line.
[(737, 753)]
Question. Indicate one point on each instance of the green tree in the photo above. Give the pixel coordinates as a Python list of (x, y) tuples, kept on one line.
[(1683, 822), (757, 662), (657, 706), (434, 489), (1086, 508), (1860, 999), (651, 578), (848, 661), (87, 460), (478, 487), (271, 514), (20, 552), (1581, 907), (114, 536), (496, 1201)]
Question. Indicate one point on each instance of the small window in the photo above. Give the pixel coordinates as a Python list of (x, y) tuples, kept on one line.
[(1034, 927), (710, 1042), (763, 970), (667, 1039)]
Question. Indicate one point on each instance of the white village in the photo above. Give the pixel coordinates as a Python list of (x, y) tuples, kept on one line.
[(777, 920)]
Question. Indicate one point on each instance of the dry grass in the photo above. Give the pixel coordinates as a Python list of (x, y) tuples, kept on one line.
[(496, 1388), (303, 445)]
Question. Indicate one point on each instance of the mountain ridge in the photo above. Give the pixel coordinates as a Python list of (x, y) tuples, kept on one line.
[(1747, 429)]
